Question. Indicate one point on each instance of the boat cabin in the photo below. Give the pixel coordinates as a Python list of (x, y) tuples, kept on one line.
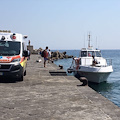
[(86, 57), (90, 52)]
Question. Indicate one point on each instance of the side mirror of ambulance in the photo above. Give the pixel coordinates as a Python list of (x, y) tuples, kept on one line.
[(25, 53)]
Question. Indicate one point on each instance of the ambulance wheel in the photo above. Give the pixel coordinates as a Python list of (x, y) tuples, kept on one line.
[(21, 78)]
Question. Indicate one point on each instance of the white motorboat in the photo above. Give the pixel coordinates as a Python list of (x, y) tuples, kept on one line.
[(91, 65)]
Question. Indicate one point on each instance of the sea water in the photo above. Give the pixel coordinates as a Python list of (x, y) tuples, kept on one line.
[(109, 89)]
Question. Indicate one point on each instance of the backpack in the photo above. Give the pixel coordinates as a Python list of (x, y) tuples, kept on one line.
[(42, 54)]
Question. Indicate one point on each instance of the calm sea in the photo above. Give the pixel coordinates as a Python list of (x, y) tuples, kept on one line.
[(109, 89)]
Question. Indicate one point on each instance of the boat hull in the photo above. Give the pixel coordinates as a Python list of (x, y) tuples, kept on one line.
[(94, 76)]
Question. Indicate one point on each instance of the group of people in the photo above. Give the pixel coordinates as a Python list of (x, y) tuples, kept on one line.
[(46, 55)]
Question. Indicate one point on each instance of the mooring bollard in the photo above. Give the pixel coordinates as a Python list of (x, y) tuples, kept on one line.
[(84, 81), (61, 67)]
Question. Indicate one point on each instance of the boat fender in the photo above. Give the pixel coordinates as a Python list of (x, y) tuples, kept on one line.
[(69, 70)]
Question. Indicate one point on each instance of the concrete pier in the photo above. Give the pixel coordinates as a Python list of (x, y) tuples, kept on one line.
[(46, 96)]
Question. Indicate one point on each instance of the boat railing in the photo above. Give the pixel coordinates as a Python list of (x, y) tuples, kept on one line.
[(86, 61), (89, 61), (109, 62)]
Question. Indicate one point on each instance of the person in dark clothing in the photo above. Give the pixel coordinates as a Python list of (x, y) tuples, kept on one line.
[(45, 56), (94, 61)]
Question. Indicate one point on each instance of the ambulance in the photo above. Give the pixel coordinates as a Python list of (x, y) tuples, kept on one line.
[(13, 55)]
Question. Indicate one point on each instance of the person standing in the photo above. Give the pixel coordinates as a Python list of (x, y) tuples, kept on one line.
[(28, 54), (40, 53), (94, 61), (45, 56), (49, 55)]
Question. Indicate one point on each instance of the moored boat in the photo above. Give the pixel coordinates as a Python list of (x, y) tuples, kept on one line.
[(91, 65)]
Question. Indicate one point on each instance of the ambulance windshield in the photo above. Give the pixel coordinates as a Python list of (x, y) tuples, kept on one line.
[(9, 48)]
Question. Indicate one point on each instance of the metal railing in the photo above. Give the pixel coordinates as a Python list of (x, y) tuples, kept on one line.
[(109, 62), (85, 62)]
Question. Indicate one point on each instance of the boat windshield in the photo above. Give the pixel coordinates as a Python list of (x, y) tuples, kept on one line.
[(9, 48), (84, 54), (98, 54), (90, 53)]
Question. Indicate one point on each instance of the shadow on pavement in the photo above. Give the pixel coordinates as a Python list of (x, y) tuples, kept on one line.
[(7, 80)]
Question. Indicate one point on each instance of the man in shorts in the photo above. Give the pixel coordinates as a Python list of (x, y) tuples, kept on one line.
[(45, 56)]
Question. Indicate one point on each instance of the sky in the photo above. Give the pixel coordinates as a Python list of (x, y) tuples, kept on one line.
[(64, 24)]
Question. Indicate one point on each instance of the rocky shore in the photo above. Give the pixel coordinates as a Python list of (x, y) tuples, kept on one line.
[(54, 55), (57, 55)]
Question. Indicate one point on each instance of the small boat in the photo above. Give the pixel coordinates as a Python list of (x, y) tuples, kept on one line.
[(91, 65)]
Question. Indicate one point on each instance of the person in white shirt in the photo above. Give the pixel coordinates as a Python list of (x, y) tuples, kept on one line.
[(28, 54), (49, 55)]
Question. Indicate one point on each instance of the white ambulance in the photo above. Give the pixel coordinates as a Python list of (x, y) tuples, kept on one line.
[(13, 55)]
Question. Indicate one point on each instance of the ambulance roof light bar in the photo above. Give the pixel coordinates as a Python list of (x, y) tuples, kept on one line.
[(5, 31)]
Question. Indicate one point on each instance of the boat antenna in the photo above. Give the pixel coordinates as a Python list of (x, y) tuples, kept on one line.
[(89, 40), (96, 42), (84, 40)]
